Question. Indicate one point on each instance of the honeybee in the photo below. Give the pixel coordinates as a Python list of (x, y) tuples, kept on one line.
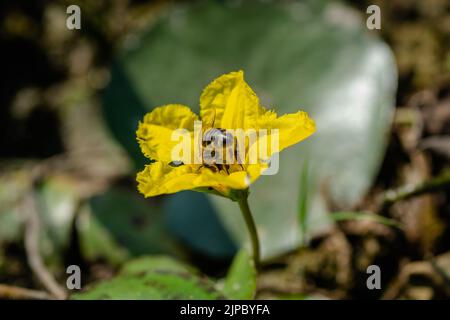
[(213, 139)]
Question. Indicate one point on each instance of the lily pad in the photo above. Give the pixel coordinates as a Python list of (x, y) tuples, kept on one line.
[(153, 278), (148, 264), (296, 55)]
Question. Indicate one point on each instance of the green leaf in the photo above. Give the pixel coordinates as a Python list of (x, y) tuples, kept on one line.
[(299, 296), (240, 282), (123, 111), (97, 242), (153, 278), (296, 55), (121, 224), (148, 264)]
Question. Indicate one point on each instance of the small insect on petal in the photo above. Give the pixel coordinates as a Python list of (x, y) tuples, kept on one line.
[(176, 163)]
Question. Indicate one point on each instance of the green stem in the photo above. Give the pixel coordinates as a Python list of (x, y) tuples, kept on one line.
[(440, 182), (245, 209)]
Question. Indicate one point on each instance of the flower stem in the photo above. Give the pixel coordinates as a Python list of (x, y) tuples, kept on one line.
[(245, 209)]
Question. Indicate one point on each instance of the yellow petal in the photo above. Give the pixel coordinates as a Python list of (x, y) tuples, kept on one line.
[(234, 180), (292, 128), (154, 134), (255, 170), (228, 102), (160, 178)]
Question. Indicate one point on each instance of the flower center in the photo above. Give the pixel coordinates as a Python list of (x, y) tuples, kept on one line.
[(219, 149)]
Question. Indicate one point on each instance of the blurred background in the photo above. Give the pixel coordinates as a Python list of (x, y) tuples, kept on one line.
[(370, 187)]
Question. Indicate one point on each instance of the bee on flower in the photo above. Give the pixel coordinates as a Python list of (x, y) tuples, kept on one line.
[(228, 149)]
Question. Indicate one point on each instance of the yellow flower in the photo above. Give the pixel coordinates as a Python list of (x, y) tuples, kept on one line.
[(226, 103)]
